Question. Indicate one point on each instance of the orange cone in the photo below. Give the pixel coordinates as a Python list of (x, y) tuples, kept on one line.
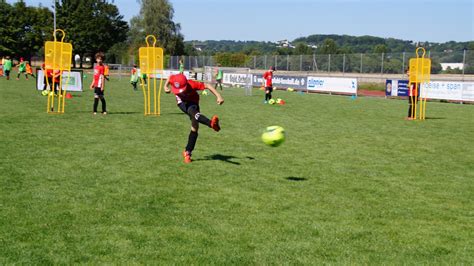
[(68, 95)]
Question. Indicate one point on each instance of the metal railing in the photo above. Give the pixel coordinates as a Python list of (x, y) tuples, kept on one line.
[(384, 63)]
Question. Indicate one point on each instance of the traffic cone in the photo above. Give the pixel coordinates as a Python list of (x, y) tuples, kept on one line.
[(68, 95)]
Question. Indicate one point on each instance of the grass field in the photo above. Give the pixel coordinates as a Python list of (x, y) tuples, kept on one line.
[(353, 183)]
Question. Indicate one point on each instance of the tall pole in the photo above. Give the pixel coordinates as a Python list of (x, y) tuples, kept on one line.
[(54, 14), (463, 63)]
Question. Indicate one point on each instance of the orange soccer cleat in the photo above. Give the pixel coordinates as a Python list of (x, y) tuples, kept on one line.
[(187, 157), (215, 123)]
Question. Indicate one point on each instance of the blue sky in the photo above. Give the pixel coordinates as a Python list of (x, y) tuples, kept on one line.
[(272, 20)]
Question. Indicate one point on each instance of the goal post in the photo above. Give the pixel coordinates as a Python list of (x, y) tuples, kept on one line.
[(116, 69), (231, 76)]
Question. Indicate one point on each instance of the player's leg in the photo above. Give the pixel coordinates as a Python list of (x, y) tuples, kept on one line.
[(96, 99), (7, 73), (410, 99), (56, 88), (267, 94), (102, 100)]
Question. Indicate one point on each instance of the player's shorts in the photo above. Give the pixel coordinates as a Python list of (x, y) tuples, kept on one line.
[(269, 89), (7, 73), (219, 81), (191, 109), (98, 92)]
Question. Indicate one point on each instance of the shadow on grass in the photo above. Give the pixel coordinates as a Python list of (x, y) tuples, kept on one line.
[(295, 178), (111, 113), (124, 113), (224, 158), (435, 118)]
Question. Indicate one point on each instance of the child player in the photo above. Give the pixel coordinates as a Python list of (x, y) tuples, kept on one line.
[(268, 84), (134, 77), (22, 69), (413, 97), (219, 76), (98, 83), (187, 100), (29, 70), (181, 66), (7, 67)]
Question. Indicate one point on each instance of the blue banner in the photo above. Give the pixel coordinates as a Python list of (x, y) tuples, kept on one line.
[(394, 87)]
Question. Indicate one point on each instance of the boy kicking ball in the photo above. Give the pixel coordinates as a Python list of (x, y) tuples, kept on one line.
[(187, 100)]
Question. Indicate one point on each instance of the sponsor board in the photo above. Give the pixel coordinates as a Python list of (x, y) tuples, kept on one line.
[(295, 82), (337, 85), (71, 81)]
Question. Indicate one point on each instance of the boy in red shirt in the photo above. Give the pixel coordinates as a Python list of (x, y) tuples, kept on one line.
[(268, 84), (187, 100), (413, 97), (98, 83), (49, 77)]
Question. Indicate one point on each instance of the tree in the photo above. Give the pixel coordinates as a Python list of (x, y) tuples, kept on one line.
[(302, 49), (23, 29), (380, 48), (156, 18), (329, 46), (231, 59), (91, 25)]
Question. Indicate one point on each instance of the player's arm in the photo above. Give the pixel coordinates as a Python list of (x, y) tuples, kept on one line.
[(92, 84), (220, 100), (167, 86)]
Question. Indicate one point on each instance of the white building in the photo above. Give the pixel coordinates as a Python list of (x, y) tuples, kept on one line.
[(444, 66)]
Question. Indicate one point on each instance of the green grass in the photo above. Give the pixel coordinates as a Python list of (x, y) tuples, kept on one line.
[(353, 183), (372, 86)]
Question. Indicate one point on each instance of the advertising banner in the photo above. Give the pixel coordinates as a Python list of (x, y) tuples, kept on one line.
[(445, 90), (237, 79), (295, 82), (394, 87), (338, 85), (74, 83), (440, 90), (167, 74)]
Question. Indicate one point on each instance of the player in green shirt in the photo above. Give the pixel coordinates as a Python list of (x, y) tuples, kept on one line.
[(219, 76), (181, 66), (7, 67), (22, 69)]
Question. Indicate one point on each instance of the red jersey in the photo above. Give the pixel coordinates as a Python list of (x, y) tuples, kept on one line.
[(57, 75), (268, 76), (188, 94), (98, 76)]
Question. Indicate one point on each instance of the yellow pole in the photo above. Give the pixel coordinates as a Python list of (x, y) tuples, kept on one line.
[(415, 97), (144, 93), (154, 97), (159, 93)]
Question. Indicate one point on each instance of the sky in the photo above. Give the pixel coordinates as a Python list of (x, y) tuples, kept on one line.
[(273, 20)]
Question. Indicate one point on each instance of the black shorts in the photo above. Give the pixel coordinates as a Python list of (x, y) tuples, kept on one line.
[(269, 89), (98, 92), (191, 109), (219, 81), (7, 73)]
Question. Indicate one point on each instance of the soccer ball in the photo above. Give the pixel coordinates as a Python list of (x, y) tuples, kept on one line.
[(272, 101), (45, 93), (273, 136), (204, 92)]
